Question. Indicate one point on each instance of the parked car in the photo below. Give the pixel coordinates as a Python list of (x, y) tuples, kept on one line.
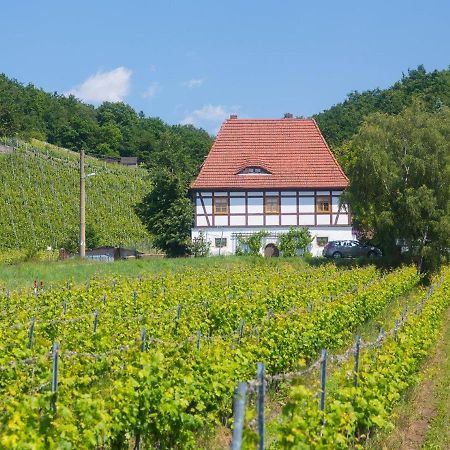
[(350, 249)]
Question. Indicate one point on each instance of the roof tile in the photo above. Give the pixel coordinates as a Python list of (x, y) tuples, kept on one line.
[(293, 150)]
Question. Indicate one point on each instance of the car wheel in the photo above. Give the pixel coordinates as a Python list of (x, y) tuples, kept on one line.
[(371, 255), (337, 255)]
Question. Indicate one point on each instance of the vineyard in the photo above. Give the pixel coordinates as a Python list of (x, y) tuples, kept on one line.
[(40, 199), (153, 362)]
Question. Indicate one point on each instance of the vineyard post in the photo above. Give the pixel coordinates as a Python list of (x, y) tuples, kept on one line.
[(178, 317), (323, 378), (199, 335), (143, 338), (357, 352), (31, 332), (260, 377), (241, 330), (396, 327), (65, 306), (82, 207), (95, 320), (54, 377), (238, 414)]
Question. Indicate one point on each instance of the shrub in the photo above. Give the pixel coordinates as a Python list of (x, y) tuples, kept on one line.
[(294, 240), (200, 246), (251, 244)]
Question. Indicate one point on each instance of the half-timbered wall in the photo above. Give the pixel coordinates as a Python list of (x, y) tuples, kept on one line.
[(247, 209)]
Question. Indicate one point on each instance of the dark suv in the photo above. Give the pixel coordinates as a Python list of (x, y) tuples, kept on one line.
[(350, 249)]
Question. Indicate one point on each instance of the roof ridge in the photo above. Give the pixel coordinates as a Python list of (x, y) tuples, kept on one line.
[(265, 119)]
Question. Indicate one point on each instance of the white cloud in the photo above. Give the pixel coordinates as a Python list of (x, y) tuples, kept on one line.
[(152, 90), (194, 83), (112, 86), (209, 117), (208, 113)]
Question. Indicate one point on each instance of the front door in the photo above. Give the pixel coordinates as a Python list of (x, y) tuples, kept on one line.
[(271, 250)]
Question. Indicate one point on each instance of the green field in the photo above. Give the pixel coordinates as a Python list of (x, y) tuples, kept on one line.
[(40, 200), (150, 351)]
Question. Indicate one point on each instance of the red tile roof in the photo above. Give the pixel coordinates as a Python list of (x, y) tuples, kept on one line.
[(293, 150)]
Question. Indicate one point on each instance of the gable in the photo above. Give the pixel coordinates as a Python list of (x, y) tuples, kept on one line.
[(293, 151)]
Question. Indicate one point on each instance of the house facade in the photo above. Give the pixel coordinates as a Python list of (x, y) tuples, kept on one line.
[(269, 175)]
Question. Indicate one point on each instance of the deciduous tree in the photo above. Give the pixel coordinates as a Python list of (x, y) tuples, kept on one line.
[(400, 180)]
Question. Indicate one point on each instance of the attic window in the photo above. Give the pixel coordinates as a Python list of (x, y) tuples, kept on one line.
[(254, 170)]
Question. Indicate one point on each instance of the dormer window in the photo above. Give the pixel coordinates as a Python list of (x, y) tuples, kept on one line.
[(254, 170)]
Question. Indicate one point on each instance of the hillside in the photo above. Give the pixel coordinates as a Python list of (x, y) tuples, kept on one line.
[(110, 129), (340, 122), (40, 200)]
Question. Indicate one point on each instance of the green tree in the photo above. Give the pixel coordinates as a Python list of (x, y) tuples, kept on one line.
[(340, 122), (167, 213), (400, 181)]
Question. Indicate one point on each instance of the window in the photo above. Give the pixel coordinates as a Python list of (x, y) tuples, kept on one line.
[(220, 242), (220, 205), (322, 241), (255, 170), (272, 204), (323, 205)]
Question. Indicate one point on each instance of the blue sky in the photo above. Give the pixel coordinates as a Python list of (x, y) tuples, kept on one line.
[(198, 61)]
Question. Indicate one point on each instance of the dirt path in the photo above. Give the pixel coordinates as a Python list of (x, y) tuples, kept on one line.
[(415, 416)]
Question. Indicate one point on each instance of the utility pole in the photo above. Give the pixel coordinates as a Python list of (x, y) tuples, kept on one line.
[(82, 207)]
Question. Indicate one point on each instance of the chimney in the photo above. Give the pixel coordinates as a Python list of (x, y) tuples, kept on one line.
[(233, 116), (288, 115)]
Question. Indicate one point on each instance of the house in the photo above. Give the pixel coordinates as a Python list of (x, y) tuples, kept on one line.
[(264, 174)]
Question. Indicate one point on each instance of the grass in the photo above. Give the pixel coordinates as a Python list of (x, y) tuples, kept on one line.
[(78, 271), (438, 435)]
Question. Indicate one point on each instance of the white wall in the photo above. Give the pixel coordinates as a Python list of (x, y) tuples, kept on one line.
[(306, 208), (332, 233)]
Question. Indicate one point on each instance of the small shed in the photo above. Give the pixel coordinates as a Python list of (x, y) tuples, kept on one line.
[(6, 148), (130, 161), (109, 253)]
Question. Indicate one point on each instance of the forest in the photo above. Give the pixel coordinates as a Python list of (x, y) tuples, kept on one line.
[(111, 129)]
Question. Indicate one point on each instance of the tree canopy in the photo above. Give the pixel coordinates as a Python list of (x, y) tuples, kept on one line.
[(167, 211), (111, 129), (340, 122), (400, 180)]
